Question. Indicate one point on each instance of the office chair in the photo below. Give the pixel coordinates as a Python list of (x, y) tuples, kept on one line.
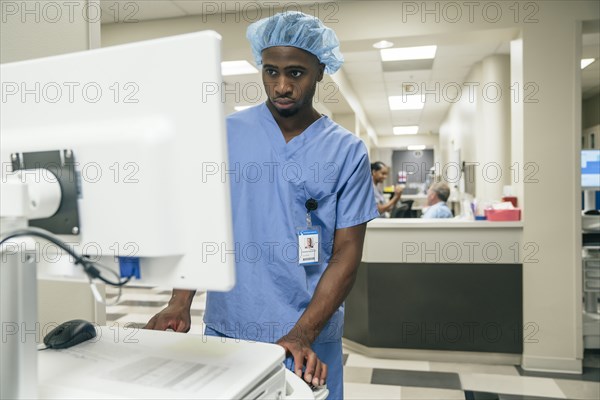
[(404, 210)]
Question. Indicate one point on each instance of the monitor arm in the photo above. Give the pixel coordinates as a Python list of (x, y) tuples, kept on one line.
[(23, 197)]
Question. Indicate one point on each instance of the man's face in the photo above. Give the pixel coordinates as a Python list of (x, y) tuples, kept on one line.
[(431, 197), (290, 76)]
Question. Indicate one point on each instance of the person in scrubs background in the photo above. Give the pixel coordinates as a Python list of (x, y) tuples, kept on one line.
[(301, 155), (379, 173), (437, 195)]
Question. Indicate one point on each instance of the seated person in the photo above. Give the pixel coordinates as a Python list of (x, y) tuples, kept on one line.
[(437, 195), (379, 172)]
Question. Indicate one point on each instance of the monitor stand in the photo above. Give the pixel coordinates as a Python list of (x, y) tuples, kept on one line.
[(18, 314)]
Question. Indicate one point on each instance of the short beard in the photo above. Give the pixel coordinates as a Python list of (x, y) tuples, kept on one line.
[(287, 113)]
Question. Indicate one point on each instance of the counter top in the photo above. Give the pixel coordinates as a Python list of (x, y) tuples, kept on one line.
[(451, 223), (453, 241)]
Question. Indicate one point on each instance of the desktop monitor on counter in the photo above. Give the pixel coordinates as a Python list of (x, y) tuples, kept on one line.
[(130, 132), (590, 169)]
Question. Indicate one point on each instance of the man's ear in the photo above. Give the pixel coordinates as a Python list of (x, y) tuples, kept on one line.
[(321, 71)]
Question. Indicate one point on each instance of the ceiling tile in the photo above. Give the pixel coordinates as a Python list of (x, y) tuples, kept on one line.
[(407, 65), (360, 67), (132, 11), (360, 56)]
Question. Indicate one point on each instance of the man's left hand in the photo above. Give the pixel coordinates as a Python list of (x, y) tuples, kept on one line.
[(298, 346)]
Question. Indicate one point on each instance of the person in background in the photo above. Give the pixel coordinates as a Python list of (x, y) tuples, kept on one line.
[(379, 172), (437, 195)]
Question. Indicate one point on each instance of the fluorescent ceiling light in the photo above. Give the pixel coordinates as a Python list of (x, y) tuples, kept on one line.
[(383, 44), (240, 108), (586, 61), (408, 53), (416, 147), (406, 130), (407, 102), (240, 67)]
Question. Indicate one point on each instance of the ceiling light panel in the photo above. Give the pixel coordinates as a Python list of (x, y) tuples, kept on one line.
[(408, 53), (407, 102), (383, 44), (586, 61), (406, 130)]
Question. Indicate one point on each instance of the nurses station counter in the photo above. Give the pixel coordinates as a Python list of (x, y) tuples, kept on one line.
[(446, 285)]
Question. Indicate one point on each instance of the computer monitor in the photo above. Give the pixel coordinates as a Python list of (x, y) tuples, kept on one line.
[(141, 130), (590, 169)]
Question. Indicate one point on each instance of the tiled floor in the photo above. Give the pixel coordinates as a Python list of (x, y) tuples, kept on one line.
[(372, 378)]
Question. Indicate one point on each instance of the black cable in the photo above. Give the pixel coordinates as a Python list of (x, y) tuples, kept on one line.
[(88, 266)]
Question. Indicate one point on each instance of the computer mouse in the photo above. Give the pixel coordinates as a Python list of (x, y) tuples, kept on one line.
[(69, 334)]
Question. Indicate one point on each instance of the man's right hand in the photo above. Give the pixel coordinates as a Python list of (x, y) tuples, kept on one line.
[(176, 315)]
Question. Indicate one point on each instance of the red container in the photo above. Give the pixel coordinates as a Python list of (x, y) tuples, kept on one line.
[(512, 199), (503, 215)]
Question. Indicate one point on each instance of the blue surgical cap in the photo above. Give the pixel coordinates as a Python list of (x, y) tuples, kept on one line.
[(300, 30)]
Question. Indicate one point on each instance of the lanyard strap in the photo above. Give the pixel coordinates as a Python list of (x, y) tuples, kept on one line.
[(311, 205)]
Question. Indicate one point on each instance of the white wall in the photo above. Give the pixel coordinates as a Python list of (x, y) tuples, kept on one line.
[(401, 141), (479, 126), (346, 120), (551, 142), (458, 131), (517, 116), (494, 136), (382, 154), (36, 29)]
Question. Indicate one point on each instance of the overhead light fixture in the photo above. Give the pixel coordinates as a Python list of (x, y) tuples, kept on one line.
[(417, 147), (406, 130), (240, 67), (383, 44), (586, 61), (240, 108), (408, 53), (407, 102)]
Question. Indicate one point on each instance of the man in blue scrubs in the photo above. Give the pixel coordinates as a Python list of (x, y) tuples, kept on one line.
[(306, 176)]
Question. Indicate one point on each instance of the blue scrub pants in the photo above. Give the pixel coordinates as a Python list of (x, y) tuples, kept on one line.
[(330, 353)]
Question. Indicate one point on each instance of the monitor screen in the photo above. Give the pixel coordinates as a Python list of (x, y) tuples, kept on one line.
[(590, 169), (138, 143)]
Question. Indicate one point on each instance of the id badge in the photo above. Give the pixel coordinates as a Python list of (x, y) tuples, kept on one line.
[(308, 245)]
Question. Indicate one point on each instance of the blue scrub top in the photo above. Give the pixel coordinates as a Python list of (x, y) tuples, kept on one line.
[(270, 183)]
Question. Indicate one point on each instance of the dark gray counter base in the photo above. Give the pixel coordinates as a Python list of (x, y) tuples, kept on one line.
[(457, 307)]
